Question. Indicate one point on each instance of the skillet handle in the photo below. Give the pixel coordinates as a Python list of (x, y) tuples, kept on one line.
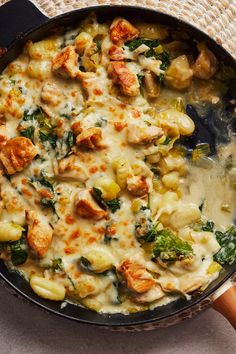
[(224, 301), (16, 18)]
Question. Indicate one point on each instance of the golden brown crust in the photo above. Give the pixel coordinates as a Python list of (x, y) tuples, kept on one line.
[(121, 75), (17, 153), (39, 235), (137, 277), (90, 138), (122, 30)]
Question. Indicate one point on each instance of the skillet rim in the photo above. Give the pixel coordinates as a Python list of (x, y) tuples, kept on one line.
[(188, 304)]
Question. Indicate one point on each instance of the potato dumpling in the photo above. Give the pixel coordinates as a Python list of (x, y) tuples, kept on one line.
[(10, 232), (109, 188), (171, 180), (88, 285), (82, 41), (179, 74), (122, 170), (47, 289), (100, 259), (186, 214), (183, 122)]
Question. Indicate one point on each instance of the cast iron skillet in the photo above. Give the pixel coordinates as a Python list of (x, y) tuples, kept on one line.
[(20, 21)]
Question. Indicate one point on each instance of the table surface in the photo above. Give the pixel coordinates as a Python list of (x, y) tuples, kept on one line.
[(26, 329)]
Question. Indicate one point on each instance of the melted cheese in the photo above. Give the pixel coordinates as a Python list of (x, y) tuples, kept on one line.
[(96, 102)]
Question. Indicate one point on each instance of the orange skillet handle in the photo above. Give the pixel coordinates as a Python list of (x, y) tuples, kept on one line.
[(224, 302)]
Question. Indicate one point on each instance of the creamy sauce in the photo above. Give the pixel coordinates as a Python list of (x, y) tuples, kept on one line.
[(126, 125)]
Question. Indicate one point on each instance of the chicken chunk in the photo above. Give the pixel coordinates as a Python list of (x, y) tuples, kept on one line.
[(90, 138), (151, 84), (122, 31), (70, 168), (50, 94), (206, 65), (155, 293), (86, 207), (116, 53), (141, 133), (137, 185), (65, 63), (39, 235), (16, 154), (137, 277), (122, 76)]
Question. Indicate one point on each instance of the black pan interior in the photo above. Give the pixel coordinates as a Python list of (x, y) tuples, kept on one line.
[(15, 280)]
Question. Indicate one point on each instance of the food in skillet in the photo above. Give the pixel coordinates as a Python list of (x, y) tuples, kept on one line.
[(110, 196)]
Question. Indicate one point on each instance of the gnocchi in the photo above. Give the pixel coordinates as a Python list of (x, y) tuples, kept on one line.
[(109, 196)]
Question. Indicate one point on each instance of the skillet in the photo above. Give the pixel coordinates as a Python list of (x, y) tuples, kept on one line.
[(20, 21)]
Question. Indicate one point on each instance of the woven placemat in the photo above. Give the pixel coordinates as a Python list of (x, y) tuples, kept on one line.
[(216, 17)]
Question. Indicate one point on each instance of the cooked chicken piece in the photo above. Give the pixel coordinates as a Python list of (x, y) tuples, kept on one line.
[(50, 94), (90, 138), (122, 31), (116, 53), (3, 140), (206, 65), (86, 207), (137, 277), (137, 185), (17, 153), (71, 168), (179, 74), (151, 85), (122, 76), (155, 293), (39, 235), (65, 63), (141, 133), (190, 282)]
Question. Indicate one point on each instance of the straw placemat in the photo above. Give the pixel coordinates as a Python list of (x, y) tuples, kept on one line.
[(216, 17)]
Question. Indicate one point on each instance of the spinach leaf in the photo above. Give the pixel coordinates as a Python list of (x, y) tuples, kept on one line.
[(99, 45), (227, 241), (49, 203), (43, 180), (170, 247), (48, 137), (64, 145), (141, 83), (113, 205), (19, 251), (85, 264), (32, 116), (57, 265), (102, 122), (167, 140), (28, 133), (208, 226)]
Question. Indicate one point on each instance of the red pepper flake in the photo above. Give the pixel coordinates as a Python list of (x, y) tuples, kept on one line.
[(69, 250), (26, 192), (97, 92), (75, 235), (103, 167), (110, 230), (93, 169), (92, 240), (69, 219), (45, 193), (119, 126)]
